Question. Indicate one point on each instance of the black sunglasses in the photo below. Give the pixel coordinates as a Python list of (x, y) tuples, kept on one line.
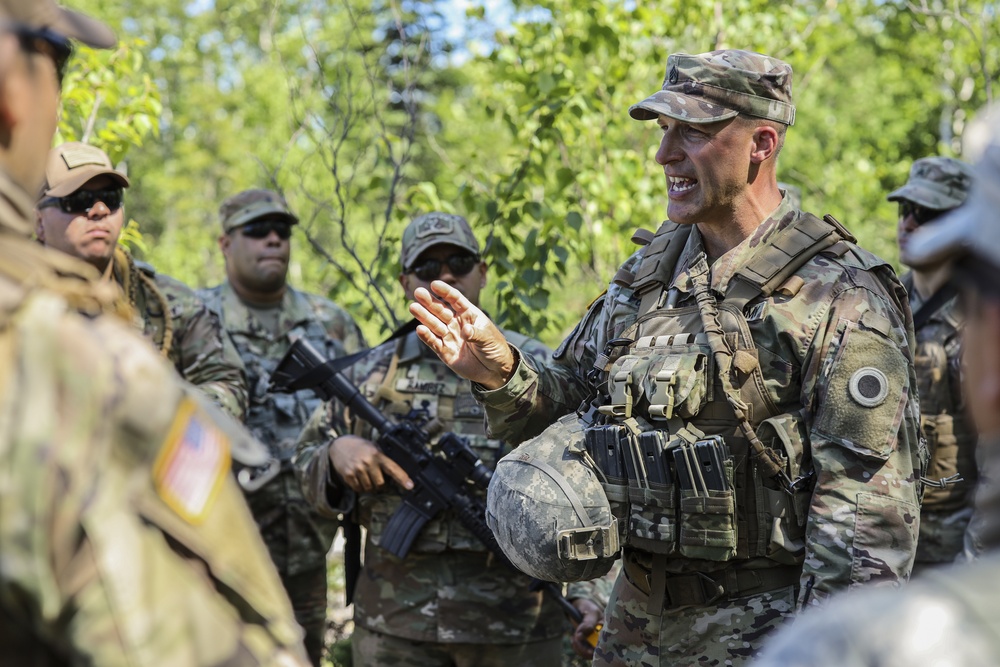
[(263, 228), (921, 214), (459, 264), (82, 201), (45, 42)]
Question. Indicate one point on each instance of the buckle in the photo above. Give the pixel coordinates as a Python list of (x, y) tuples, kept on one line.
[(588, 543), (696, 589)]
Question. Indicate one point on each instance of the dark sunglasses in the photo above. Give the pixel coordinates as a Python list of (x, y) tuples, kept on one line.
[(921, 214), (82, 201), (263, 228), (45, 42), (459, 264)]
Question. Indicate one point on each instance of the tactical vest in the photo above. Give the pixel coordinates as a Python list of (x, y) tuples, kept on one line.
[(276, 419), (686, 481), (416, 380), (950, 438)]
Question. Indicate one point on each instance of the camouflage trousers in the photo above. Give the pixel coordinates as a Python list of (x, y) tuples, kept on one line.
[(298, 541), (374, 649), (728, 633), (942, 536)]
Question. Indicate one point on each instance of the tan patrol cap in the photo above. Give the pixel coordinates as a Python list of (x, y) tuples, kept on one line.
[(72, 164), (47, 14)]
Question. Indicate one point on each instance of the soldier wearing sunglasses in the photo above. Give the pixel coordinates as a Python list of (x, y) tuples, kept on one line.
[(448, 602), (937, 185), (81, 213), (124, 538), (263, 314)]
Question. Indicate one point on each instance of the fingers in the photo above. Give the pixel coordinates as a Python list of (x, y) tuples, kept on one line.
[(429, 339), (452, 297), (429, 320), (394, 471)]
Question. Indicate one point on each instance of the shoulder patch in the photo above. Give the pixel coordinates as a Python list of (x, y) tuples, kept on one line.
[(192, 464), (868, 387)]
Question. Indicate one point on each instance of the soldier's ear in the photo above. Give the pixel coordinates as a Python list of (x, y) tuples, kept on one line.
[(765, 143), (482, 275), (224, 241)]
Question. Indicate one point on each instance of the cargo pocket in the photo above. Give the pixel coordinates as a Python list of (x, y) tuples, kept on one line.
[(885, 537), (652, 523), (677, 385), (708, 522)]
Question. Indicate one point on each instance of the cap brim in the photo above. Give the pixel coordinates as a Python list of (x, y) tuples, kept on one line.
[(81, 177), (83, 28), (686, 108), (919, 195), (256, 213)]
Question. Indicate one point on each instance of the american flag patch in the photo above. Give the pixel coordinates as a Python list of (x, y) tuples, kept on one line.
[(192, 463)]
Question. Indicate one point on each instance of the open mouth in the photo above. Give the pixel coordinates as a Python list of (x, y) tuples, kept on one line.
[(679, 185)]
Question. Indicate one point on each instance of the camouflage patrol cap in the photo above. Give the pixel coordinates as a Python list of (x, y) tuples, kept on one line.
[(939, 183), (47, 14), (435, 228), (71, 165), (251, 205), (974, 227), (714, 86), (548, 510)]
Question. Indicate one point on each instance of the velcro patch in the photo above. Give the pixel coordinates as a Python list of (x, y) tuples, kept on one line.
[(192, 464), (869, 387), (78, 156)]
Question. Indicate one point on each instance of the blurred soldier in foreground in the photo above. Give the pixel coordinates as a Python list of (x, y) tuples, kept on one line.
[(745, 392), (263, 314), (946, 616), (123, 538), (448, 602), (81, 212), (936, 186)]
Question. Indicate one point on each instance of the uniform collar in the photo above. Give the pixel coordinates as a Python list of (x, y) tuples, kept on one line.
[(239, 318)]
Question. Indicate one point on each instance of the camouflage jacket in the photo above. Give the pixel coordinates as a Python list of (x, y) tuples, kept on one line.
[(447, 589), (840, 314), (169, 314), (946, 616), (107, 558), (297, 537)]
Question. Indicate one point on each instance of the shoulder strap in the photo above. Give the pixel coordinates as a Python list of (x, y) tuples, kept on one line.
[(661, 256), (785, 254), (933, 304)]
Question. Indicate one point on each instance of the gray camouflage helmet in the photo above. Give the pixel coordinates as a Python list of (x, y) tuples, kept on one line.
[(548, 510), (939, 183)]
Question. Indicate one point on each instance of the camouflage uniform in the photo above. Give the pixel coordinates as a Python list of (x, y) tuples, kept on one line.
[(448, 602), (186, 332), (124, 539), (297, 538), (448, 590), (947, 616), (941, 184), (813, 333), (165, 310)]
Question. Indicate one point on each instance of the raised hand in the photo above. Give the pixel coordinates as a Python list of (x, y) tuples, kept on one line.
[(462, 335)]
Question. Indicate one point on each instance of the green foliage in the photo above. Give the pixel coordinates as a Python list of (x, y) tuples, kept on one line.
[(365, 114)]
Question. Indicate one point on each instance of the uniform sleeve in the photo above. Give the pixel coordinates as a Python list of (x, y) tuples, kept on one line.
[(126, 463), (321, 485), (858, 383), (544, 388), (206, 357)]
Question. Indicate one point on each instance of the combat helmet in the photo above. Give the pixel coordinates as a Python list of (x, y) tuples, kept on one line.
[(548, 509)]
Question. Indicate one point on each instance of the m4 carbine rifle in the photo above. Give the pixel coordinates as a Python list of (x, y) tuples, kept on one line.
[(440, 481)]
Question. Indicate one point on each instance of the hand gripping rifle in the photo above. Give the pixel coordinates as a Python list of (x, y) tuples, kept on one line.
[(440, 481)]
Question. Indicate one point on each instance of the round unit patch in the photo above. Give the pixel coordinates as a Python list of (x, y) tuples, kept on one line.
[(869, 386)]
